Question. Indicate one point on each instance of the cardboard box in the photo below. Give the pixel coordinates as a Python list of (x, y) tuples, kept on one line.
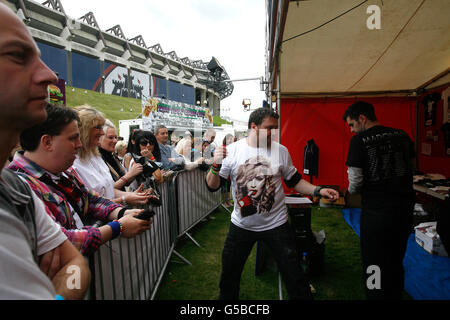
[(428, 238), (352, 200), (339, 203)]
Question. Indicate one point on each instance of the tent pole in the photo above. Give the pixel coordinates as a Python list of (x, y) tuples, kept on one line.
[(278, 97), (417, 131)]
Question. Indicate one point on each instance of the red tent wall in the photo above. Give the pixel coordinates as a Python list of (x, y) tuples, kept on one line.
[(438, 161), (320, 119)]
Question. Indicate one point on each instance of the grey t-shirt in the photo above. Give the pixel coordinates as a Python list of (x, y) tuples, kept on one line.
[(167, 152), (20, 276)]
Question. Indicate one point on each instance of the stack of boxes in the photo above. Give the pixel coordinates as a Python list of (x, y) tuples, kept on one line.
[(428, 238)]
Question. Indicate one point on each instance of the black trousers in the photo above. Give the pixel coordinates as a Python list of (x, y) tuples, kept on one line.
[(280, 241), (384, 236)]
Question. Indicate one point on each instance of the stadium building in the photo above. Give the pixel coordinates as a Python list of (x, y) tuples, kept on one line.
[(109, 62)]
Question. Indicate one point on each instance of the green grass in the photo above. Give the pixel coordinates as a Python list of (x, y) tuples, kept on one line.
[(342, 276), (111, 105), (218, 121), (341, 279)]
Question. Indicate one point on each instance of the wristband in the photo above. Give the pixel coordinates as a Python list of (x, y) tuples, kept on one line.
[(124, 179), (116, 228), (123, 201), (316, 192), (121, 213), (216, 166), (121, 226), (213, 171)]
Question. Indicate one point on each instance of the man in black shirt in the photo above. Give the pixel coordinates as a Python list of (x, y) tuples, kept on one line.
[(380, 167)]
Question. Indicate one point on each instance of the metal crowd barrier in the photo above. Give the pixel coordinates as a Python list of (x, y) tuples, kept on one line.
[(195, 202), (132, 269)]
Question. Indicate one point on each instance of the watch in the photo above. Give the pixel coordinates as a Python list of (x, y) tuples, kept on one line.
[(316, 192)]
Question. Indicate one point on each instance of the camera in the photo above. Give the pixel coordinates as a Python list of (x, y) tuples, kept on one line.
[(145, 215), (146, 177), (148, 166), (203, 166), (155, 202)]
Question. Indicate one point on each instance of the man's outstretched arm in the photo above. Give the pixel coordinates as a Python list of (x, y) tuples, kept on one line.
[(304, 187)]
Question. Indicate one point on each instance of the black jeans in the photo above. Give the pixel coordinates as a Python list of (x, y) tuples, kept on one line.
[(280, 241), (384, 236)]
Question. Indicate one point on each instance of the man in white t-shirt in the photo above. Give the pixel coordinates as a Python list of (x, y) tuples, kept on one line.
[(37, 261), (256, 166)]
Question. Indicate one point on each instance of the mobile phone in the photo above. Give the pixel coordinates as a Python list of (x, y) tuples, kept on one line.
[(146, 215)]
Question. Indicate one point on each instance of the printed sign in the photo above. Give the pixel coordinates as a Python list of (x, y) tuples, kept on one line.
[(174, 114), (57, 93), (117, 81)]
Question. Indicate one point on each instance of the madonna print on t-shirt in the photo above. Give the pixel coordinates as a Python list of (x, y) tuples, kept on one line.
[(255, 186)]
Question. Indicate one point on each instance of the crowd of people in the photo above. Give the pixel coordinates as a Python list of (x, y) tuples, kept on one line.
[(70, 162), (69, 170), (62, 170)]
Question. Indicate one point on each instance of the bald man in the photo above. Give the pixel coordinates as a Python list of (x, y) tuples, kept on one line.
[(37, 261)]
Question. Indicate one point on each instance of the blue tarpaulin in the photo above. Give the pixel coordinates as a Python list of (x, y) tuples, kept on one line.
[(427, 276)]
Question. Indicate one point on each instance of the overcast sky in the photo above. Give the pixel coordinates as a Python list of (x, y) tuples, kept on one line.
[(233, 31)]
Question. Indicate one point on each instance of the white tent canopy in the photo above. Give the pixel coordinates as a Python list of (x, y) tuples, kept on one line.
[(410, 51)]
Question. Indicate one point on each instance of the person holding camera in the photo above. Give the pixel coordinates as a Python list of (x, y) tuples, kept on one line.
[(146, 153), (50, 149), (90, 166)]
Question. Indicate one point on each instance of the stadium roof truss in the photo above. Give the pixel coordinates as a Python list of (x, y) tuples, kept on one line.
[(49, 22)]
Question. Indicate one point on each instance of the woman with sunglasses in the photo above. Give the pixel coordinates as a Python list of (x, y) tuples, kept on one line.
[(90, 166), (146, 146)]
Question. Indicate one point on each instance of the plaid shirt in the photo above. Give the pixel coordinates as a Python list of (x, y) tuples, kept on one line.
[(87, 239)]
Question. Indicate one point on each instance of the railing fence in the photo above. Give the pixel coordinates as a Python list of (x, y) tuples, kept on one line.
[(132, 269)]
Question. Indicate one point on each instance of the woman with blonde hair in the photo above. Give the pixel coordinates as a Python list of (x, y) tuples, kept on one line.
[(120, 175), (121, 149), (89, 164)]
